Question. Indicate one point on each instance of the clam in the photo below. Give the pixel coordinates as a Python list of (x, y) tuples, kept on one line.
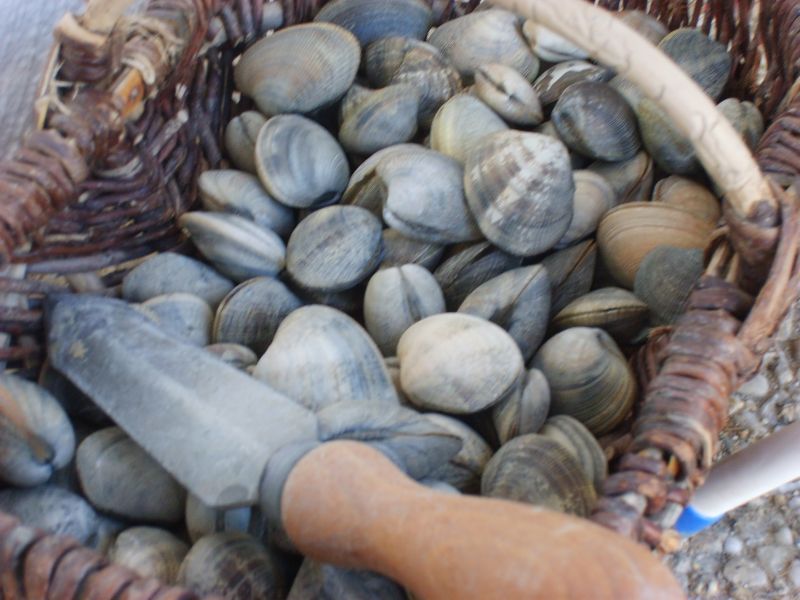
[(745, 118), (518, 301), (252, 312), (119, 477), (235, 355), (202, 520), (54, 510), (479, 38), (549, 46), (571, 272), (525, 411), (395, 299), (577, 161), (399, 250), (536, 470), (370, 21), (349, 301), (690, 196), (631, 180), (424, 197), (365, 188), (404, 60), (300, 164), (149, 552), (184, 315), (704, 60), (589, 378), (168, 273), (416, 444), (74, 402), (619, 312), (320, 356), (462, 471), (334, 248), (595, 120), (393, 366), (236, 246), (240, 139), (319, 581), (376, 119), (457, 363), (509, 94), (593, 198), (460, 124), (551, 84), (36, 436), (519, 186), (627, 233), (241, 194), (581, 444), (234, 566), (470, 267), (665, 280), (299, 69), (645, 25)]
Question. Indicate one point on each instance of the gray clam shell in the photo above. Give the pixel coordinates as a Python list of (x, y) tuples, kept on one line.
[(235, 566), (462, 471), (457, 363), (665, 280), (519, 186), (203, 520), (593, 198), (518, 301), (236, 246), (251, 313), (367, 190), (299, 163), (399, 250), (395, 299), (239, 193), (461, 123), (235, 355), (118, 477), (334, 249), (240, 139), (36, 436), (745, 118), (509, 94), (320, 356), (581, 444), (54, 510), (150, 552), (551, 83), (482, 37), (319, 581), (550, 46), (571, 273), (184, 315), (631, 180), (376, 119), (644, 24), (617, 311), (299, 69), (369, 20), (167, 273), (704, 60), (525, 411)]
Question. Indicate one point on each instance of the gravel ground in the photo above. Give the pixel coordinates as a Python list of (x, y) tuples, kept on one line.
[(754, 553)]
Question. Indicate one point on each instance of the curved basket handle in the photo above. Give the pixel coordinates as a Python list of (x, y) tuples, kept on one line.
[(608, 40)]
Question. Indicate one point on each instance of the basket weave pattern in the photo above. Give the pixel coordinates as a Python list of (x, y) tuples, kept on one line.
[(138, 116)]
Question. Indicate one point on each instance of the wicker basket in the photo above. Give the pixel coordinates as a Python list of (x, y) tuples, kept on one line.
[(138, 113)]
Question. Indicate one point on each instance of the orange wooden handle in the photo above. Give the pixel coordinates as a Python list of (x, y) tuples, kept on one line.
[(346, 504)]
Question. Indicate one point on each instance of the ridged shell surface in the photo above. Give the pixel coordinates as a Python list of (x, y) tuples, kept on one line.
[(369, 20)]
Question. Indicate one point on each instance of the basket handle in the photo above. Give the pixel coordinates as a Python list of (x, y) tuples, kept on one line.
[(610, 41)]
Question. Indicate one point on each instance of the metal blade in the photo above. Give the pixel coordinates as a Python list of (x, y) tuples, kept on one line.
[(211, 426)]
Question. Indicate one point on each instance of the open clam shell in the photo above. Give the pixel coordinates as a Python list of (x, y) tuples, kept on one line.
[(434, 355), (519, 186), (482, 37), (539, 471), (518, 301), (251, 313), (299, 163), (370, 21), (320, 356), (589, 378), (241, 194), (238, 247), (334, 248), (240, 139), (509, 94), (299, 69), (395, 299)]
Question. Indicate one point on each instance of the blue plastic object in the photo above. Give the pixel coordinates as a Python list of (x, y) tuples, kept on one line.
[(691, 521)]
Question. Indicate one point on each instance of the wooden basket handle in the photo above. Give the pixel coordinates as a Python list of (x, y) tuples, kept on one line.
[(608, 40)]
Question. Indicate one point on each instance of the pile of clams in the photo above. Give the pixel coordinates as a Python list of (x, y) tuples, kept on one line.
[(468, 228)]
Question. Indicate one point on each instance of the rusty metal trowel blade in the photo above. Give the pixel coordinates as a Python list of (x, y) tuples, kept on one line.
[(211, 426)]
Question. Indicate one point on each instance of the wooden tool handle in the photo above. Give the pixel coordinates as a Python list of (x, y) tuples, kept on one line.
[(346, 504), (607, 39)]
